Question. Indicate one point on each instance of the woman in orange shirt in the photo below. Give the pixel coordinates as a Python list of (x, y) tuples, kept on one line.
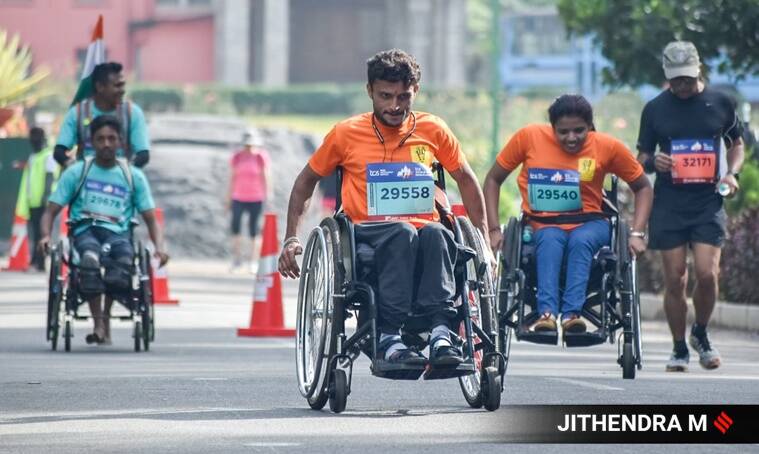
[(561, 182)]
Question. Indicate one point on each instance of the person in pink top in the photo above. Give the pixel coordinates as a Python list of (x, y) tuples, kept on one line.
[(249, 186)]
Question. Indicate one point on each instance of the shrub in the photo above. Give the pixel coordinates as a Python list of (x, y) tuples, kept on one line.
[(740, 257), (157, 98)]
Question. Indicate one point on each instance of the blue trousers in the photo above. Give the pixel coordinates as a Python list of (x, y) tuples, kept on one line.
[(578, 246)]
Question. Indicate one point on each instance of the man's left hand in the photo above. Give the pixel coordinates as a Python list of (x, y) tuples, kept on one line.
[(162, 257), (731, 182)]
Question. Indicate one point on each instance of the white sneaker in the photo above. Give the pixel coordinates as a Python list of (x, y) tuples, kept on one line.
[(678, 363), (708, 356)]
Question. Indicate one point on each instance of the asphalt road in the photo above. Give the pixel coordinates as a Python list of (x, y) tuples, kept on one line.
[(203, 389)]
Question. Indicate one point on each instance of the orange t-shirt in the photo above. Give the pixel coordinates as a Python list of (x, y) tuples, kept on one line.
[(535, 147), (353, 144)]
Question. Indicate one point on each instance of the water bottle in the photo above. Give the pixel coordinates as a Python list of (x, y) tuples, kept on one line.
[(724, 189), (527, 234)]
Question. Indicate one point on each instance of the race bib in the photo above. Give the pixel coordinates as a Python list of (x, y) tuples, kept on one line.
[(694, 161), (399, 191), (554, 190), (105, 201)]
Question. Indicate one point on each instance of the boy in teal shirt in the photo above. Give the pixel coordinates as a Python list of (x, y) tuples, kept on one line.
[(104, 194)]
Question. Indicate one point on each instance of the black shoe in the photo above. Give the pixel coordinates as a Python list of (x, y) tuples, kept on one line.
[(446, 356), (407, 357), (93, 339)]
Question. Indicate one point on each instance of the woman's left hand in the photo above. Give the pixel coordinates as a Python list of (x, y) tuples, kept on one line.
[(637, 245)]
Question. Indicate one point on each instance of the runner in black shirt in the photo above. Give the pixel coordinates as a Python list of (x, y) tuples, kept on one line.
[(700, 152)]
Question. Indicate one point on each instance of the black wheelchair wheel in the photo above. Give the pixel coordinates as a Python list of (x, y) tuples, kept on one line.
[(67, 335), (482, 313), (145, 334), (491, 388), (637, 331), (54, 338), (630, 307), (137, 334), (338, 391), (54, 297), (146, 294), (628, 361), (504, 337), (512, 232), (318, 320), (508, 263)]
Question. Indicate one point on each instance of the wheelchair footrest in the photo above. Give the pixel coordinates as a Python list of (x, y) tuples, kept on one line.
[(439, 373), (546, 337), (584, 339), (384, 369)]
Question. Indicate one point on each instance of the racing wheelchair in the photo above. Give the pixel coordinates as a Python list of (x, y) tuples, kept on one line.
[(334, 287), (612, 302), (64, 296)]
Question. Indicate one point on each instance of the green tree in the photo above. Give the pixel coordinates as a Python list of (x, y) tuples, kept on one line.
[(632, 34)]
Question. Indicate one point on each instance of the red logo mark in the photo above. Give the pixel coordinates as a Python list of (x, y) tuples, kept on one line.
[(723, 422)]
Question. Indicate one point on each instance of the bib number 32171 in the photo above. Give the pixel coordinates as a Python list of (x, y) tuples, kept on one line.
[(399, 190), (693, 161)]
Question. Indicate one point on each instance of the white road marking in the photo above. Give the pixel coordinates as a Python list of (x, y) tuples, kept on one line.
[(586, 384)]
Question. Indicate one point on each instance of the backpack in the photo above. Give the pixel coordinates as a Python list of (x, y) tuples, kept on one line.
[(84, 112)]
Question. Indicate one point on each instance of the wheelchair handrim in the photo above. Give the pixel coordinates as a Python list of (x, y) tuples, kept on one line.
[(309, 360)]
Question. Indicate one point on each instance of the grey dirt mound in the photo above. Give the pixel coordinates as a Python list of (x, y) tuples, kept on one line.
[(189, 177)]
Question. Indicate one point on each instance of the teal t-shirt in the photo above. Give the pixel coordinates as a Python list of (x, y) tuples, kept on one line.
[(105, 196), (138, 130)]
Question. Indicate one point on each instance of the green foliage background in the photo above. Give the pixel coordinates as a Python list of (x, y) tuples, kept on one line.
[(632, 34)]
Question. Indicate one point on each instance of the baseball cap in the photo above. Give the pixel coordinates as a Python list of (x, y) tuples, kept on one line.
[(680, 59), (250, 138)]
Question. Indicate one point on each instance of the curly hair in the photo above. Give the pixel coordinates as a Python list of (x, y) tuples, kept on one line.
[(571, 106), (393, 65), (103, 121)]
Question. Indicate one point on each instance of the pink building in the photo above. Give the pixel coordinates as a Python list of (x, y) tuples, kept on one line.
[(157, 41), (238, 42)]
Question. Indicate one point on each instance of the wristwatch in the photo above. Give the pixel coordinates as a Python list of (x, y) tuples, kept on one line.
[(639, 234), (735, 175)]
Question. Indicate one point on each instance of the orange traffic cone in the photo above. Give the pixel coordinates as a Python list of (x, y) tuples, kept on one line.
[(19, 253), (160, 275), (267, 316)]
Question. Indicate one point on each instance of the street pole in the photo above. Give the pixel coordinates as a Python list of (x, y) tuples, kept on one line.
[(495, 79)]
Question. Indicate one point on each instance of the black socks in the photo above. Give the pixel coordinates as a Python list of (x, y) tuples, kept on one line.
[(681, 349)]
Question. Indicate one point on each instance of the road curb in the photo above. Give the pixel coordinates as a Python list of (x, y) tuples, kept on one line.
[(726, 315)]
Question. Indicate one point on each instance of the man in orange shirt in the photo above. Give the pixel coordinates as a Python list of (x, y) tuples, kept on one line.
[(388, 192), (561, 181)]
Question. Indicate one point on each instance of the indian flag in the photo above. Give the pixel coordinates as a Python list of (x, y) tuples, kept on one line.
[(95, 56)]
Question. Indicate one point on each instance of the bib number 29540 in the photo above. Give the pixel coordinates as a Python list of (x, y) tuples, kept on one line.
[(554, 190)]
